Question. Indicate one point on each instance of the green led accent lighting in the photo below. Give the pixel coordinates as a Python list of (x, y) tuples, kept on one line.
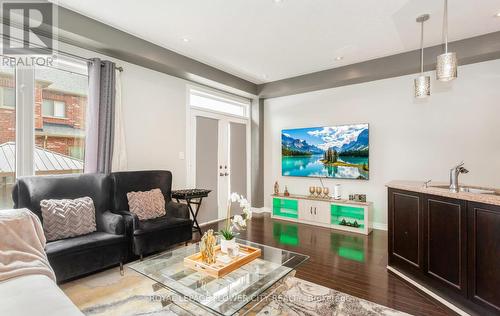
[(286, 208)]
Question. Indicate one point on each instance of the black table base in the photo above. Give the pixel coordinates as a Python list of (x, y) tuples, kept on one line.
[(192, 197)]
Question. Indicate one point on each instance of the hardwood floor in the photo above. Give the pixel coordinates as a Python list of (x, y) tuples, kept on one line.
[(350, 263)]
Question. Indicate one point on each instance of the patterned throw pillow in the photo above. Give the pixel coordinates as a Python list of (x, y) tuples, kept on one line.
[(68, 218), (147, 204)]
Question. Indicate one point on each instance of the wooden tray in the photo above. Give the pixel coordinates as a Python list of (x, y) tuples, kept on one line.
[(219, 268)]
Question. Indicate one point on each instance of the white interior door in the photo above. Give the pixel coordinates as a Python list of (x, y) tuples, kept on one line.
[(219, 160)]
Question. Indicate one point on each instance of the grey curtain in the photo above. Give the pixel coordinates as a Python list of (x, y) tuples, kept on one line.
[(100, 116)]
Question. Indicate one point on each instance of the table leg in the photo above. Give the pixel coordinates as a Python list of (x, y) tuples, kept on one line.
[(196, 226)]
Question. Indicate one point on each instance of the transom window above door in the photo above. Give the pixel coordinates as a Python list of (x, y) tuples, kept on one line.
[(219, 102)]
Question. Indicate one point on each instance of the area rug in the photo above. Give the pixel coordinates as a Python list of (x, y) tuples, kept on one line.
[(110, 294)]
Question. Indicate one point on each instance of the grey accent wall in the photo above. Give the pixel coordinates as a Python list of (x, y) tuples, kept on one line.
[(471, 50), (257, 154)]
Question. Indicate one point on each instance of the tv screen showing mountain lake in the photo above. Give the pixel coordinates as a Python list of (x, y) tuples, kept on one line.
[(340, 152)]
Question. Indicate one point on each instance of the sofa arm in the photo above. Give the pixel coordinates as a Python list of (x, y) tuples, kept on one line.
[(112, 223), (131, 221), (179, 210)]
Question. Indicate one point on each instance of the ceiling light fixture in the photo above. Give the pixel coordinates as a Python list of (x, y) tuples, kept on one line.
[(422, 82), (185, 39), (446, 68), (497, 15), (339, 58), (278, 1)]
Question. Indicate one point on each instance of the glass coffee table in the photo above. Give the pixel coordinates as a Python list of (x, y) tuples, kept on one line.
[(236, 292)]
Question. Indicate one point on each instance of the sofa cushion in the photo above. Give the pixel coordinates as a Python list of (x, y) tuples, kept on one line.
[(160, 223), (128, 181), (146, 204), (34, 295), (81, 243), (68, 218)]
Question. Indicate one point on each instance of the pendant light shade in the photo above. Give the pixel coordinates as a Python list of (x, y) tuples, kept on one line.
[(422, 83), (422, 87), (446, 66)]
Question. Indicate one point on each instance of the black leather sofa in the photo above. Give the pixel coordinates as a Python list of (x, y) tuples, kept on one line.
[(79, 255), (155, 234), (119, 233)]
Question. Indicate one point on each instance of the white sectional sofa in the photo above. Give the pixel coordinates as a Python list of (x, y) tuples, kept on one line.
[(32, 295)]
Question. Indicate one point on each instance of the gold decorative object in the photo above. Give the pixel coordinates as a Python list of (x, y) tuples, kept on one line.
[(207, 247), (318, 191), (326, 191), (312, 190), (286, 193)]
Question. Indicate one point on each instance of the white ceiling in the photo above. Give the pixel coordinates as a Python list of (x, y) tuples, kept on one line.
[(266, 40)]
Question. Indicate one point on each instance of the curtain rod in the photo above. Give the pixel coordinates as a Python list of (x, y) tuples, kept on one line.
[(119, 68)]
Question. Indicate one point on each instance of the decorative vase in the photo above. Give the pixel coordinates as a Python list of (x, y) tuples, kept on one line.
[(337, 192), (225, 244)]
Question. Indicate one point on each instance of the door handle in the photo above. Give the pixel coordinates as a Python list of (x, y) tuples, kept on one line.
[(226, 174), (314, 210), (221, 174), (311, 209)]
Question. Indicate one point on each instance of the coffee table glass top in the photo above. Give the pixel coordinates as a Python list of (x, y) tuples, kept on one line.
[(226, 295)]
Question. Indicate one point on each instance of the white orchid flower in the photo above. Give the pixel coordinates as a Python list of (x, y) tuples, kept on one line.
[(235, 197), (248, 213), (243, 202)]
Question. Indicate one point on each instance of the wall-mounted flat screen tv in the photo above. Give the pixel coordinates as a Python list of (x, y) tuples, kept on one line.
[(340, 152)]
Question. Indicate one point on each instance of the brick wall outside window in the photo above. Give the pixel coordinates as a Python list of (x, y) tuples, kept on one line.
[(74, 119)]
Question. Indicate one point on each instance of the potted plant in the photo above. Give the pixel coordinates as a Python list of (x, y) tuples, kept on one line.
[(235, 224)]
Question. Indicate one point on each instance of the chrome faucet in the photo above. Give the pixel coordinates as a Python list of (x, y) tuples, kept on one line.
[(454, 172)]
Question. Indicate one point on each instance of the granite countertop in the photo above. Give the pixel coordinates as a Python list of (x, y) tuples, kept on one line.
[(418, 186)]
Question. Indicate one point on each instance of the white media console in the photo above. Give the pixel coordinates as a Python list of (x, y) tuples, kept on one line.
[(344, 215)]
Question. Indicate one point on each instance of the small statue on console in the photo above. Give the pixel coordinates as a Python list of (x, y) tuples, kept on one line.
[(276, 188)]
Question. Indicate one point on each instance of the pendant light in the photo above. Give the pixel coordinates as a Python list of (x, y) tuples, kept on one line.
[(446, 68), (422, 82)]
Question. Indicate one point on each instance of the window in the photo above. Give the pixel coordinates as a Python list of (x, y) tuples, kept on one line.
[(64, 95), (219, 102), (54, 108), (7, 136), (7, 97), (42, 144)]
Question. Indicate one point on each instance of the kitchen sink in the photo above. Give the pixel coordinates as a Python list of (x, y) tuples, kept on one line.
[(468, 189)]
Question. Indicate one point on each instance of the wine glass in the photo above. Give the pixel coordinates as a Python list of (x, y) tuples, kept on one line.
[(312, 190), (326, 191), (318, 191)]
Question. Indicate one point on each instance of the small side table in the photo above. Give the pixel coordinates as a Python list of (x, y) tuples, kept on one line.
[(192, 196)]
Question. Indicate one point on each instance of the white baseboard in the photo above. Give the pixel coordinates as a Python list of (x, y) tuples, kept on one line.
[(428, 292), (380, 226), (211, 222), (261, 209)]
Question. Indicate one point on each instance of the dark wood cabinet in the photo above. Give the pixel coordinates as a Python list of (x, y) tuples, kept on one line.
[(484, 254), (405, 217), (449, 245), (445, 241)]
